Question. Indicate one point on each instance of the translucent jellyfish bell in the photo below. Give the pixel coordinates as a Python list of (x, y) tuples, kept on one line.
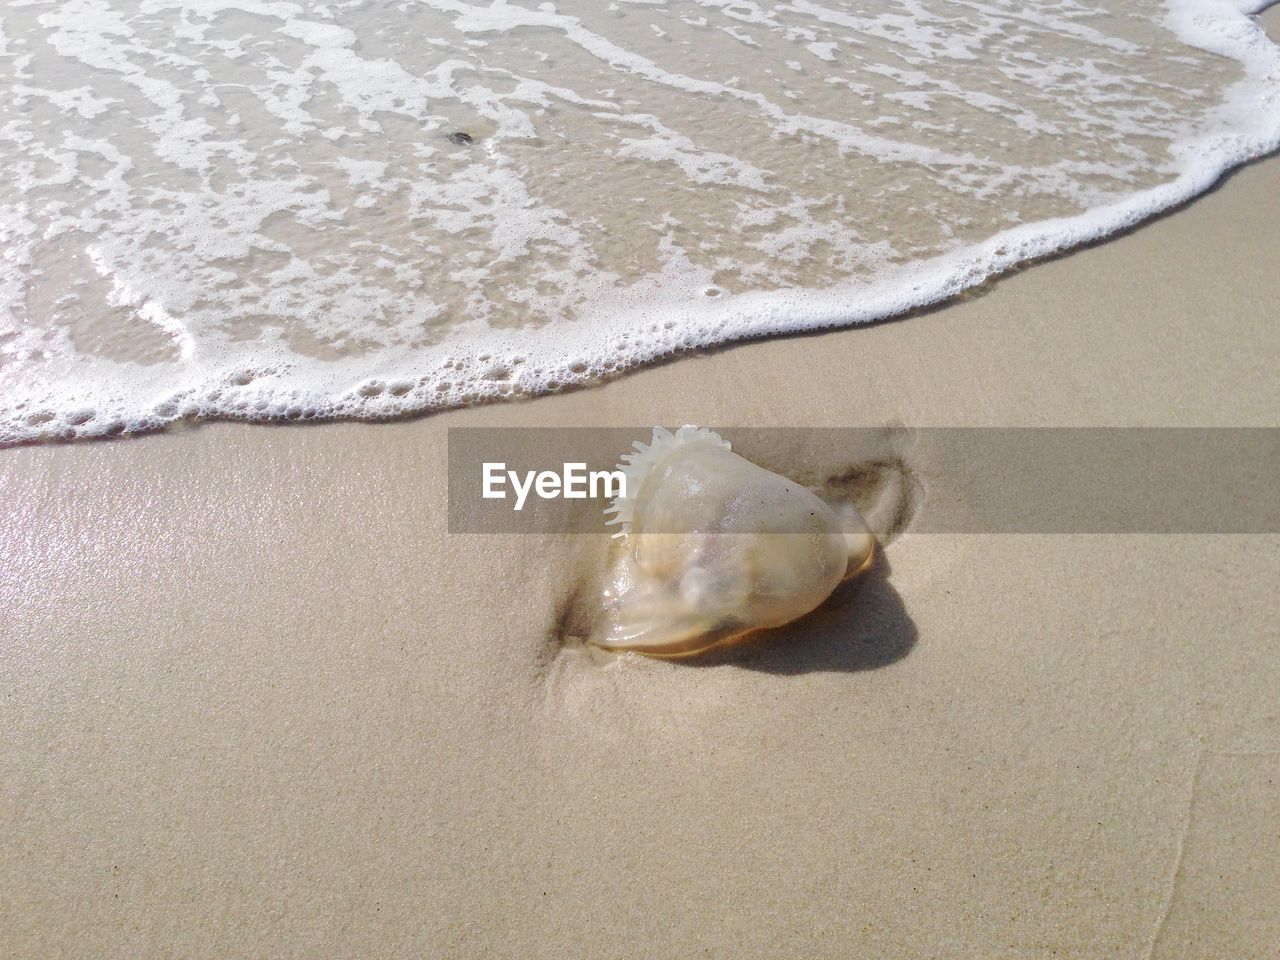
[(715, 547)]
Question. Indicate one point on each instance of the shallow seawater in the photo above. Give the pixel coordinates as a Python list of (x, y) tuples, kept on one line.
[(268, 209)]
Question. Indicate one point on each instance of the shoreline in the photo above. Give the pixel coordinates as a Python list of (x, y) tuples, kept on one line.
[(580, 361)]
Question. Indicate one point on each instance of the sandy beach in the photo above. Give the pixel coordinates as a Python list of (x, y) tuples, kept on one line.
[(259, 702)]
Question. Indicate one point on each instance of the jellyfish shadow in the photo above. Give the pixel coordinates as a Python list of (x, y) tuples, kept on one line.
[(863, 625)]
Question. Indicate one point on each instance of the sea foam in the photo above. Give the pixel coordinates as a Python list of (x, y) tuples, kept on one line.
[(265, 210)]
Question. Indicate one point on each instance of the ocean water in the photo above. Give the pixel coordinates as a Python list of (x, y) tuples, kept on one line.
[(274, 210)]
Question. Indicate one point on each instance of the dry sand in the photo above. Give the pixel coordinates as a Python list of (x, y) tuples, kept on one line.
[(258, 702)]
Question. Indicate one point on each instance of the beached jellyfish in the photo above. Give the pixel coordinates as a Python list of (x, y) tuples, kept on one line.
[(714, 547)]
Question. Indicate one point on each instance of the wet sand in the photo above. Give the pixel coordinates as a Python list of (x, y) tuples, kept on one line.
[(259, 702)]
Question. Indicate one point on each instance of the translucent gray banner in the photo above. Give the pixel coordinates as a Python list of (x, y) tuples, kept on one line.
[(930, 480)]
